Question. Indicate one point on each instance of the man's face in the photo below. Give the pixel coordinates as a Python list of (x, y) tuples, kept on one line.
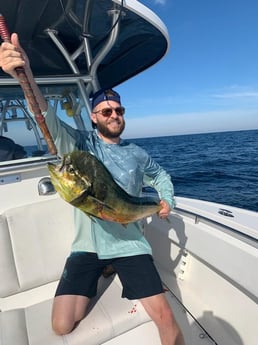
[(109, 124)]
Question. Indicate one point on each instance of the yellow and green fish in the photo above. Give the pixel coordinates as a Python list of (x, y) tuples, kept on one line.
[(84, 182)]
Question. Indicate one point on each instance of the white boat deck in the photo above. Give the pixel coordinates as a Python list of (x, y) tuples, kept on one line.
[(204, 266)]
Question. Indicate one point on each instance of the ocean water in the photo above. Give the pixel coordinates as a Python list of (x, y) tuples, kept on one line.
[(218, 167)]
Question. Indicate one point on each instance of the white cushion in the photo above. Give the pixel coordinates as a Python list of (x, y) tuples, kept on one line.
[(109, 316), (13, 328), (9, 281), (41, 236)]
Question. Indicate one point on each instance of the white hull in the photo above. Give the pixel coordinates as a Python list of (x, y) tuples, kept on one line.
[(206, 261)]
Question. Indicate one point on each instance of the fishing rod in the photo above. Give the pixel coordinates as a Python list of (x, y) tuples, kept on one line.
[(28, 92)]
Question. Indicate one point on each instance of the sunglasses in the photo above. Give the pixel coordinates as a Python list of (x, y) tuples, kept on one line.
[(106, 112)]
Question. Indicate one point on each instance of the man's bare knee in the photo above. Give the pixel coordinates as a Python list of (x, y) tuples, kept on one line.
[(62, 327), (67, 312)]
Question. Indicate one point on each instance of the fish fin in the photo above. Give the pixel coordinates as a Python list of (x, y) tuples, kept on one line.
[(76, 202), (101, 203), (90, 216)]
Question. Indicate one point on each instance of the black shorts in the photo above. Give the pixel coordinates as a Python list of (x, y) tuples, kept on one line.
[(137, 274)]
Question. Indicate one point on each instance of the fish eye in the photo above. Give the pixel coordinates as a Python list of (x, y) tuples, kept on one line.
[(70, 170)]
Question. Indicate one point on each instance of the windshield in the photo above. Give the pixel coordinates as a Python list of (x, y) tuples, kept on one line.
[(20, 136)]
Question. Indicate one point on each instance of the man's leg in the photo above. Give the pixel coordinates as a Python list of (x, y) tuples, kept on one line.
[(140, 278), (67, 311), (76, 287), (160, 312)]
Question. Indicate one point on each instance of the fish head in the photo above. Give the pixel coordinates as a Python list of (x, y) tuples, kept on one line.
[(68, 178)]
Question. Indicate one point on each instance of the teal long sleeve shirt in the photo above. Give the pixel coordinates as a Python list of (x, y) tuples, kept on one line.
[(131, 168)]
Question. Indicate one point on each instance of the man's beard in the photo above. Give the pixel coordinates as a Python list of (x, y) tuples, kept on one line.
[(107, 133)]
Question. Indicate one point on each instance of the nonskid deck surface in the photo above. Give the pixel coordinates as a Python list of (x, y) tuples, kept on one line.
[(194, 333)]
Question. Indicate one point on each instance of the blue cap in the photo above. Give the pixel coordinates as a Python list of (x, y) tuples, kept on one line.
[(105, 95)]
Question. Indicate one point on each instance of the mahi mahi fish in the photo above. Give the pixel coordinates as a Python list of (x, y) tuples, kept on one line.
[(83, 181)]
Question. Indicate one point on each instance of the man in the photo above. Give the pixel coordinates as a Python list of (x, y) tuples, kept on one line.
[(9, 150), (101, 243)]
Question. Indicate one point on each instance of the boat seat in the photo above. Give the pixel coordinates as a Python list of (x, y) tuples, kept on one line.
[(35, 239)]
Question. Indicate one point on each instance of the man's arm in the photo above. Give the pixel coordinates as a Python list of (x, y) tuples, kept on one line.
[(157, 178)]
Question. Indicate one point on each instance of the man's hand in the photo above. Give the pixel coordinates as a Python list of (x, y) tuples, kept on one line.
[(165, 210), (13, 56)]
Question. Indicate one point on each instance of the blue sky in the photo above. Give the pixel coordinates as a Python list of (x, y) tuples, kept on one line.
[(208, 81)]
